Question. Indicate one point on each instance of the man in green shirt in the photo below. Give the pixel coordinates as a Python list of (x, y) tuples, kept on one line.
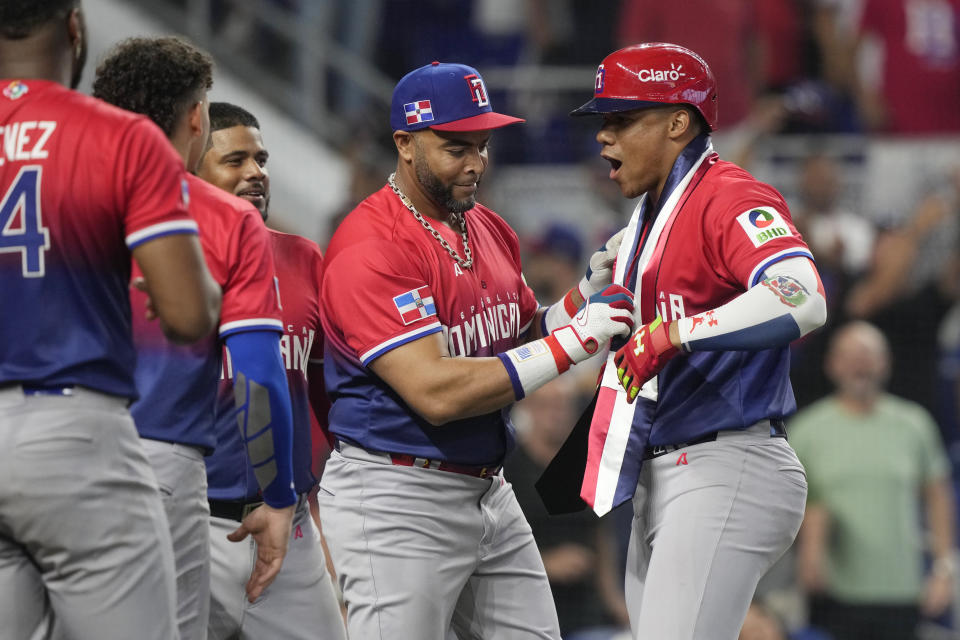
[(873, 460)]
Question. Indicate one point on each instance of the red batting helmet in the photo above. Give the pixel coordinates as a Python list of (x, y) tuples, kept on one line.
[(653, 74)]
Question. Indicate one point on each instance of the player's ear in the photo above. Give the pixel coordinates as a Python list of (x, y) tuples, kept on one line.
[(405, 145), (680, 123), (195, 119), (75, 31)]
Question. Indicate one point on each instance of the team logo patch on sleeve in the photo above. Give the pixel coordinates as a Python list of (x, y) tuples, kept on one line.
[(415, 305), (763, 224), (789, 290)]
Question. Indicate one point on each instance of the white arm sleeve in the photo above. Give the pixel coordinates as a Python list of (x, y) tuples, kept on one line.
[(787, 303)]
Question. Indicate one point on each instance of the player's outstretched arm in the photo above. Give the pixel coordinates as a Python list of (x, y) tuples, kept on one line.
[(786, 304), (183, 294), (442, 389)]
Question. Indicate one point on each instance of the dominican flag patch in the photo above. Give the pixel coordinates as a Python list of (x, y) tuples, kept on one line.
[(419, 111), (415, 305)]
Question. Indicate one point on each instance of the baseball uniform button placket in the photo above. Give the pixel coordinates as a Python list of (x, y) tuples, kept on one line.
[(777, 430)]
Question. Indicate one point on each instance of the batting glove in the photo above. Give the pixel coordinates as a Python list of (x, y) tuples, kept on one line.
[(645, 354), (600, 270), (599, 275), (606, 314)]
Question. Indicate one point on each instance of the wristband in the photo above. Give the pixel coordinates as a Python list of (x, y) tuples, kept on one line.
[(532, 365)]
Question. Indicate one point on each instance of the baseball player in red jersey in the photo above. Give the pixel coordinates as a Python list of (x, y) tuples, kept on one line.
[(178, 386), (431, 334), (301, 602), (688, 420), (83, 535)]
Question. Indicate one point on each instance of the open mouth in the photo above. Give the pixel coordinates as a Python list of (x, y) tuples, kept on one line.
[(614, 165), (254, 194)]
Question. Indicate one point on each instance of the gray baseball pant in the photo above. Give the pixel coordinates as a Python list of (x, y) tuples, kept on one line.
[(83, 535), (182, 478), (709, 520), (299, 605), (418, 551)]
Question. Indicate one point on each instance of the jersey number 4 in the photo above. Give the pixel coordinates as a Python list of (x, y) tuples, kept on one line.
[(21, 225)]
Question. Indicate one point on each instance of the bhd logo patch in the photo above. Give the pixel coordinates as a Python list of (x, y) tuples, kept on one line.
[(763, 224), (415, 305)]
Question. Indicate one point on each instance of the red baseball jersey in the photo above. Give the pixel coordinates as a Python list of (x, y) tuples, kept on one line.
[(727, 229), (921, 62), (388, 282), (299, 265), (81, 184), (178, 384)]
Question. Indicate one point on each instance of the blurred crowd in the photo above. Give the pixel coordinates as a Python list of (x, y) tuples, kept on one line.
[(883, 70)]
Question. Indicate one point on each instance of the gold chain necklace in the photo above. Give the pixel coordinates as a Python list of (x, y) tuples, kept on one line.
[(467, 262)]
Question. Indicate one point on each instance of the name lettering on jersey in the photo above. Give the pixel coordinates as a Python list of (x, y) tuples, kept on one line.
[(675, 310), (25, 140), (494, 323), (763, 224), (295, 350)]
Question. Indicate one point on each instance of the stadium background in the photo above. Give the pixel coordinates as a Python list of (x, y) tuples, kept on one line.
[(319, 73)]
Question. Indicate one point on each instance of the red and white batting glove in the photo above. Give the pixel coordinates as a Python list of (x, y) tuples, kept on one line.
[(599, 275), (645, 354), (606, 314)]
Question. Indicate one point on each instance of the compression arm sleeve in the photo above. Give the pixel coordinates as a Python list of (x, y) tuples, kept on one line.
[(786, 304), (264, 415)]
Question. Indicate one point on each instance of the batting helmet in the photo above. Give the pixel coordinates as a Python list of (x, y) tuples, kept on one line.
[(653, 74)]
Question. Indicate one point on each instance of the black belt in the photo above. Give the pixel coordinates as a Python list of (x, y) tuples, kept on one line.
[(240, 509), (777, 430), (232, 509)]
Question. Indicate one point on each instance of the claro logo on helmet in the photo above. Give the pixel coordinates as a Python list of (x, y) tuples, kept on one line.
[(672, 74)]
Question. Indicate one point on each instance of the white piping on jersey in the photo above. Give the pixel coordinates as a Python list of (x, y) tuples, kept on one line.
[(385, 346), (267, 323), (764, 264), (161, 228)]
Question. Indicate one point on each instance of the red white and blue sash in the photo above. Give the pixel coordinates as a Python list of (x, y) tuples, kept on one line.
[(619, 430)]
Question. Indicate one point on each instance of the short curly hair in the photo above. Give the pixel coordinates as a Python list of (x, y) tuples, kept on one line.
[(19, 18), (158, 77)]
